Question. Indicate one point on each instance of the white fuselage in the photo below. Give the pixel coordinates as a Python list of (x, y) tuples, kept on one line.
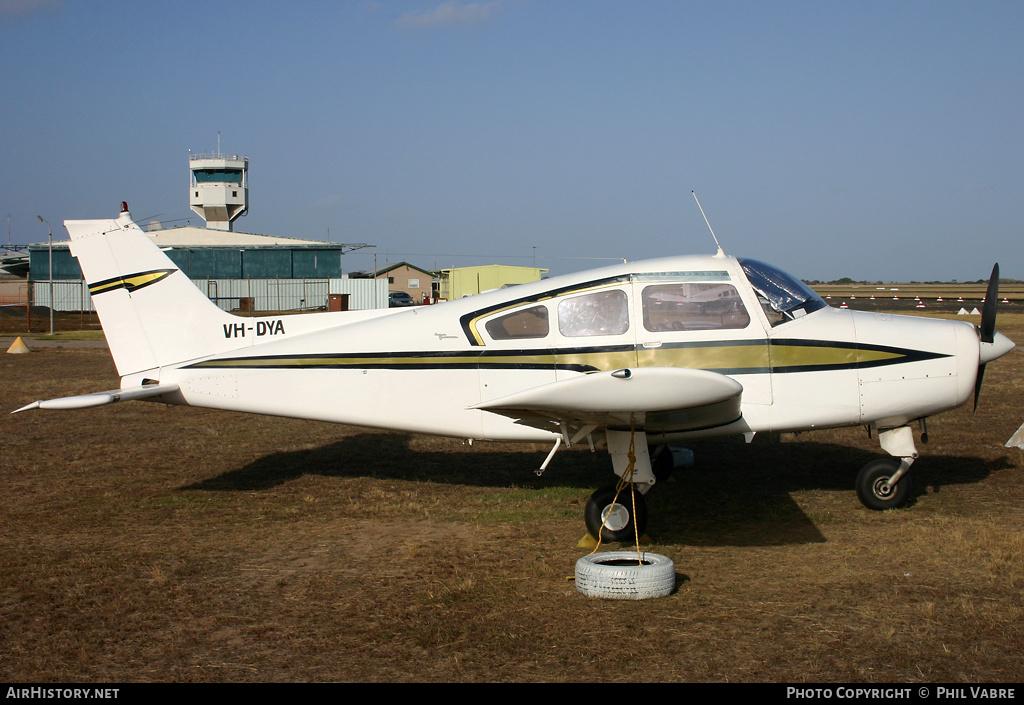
[(827, 368)]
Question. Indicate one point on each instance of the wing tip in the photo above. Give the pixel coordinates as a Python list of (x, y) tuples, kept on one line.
[(28, 407)]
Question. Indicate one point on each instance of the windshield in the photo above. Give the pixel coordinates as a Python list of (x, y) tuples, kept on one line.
[(782, 297)]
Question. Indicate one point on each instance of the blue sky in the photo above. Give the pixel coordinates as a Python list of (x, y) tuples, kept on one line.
[(875, 140)]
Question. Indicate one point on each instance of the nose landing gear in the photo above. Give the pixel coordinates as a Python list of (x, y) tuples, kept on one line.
[(884, 483), (878, 486)]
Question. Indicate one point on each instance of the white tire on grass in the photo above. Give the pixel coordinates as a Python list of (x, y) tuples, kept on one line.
[(618, 575)]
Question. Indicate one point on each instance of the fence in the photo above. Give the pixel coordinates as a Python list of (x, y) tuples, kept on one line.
[(68, 295), (13, 292), (266, 294)]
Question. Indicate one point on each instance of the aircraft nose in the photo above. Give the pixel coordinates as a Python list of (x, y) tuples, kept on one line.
[(999, 346)]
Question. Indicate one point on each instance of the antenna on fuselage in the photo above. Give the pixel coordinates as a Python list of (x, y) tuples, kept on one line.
[(721, 252)]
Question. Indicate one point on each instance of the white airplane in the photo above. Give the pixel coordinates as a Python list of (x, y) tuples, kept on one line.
[(624, 357)]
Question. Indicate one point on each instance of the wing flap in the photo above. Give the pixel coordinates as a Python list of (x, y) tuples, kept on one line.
[(85, 401), (653, 398)]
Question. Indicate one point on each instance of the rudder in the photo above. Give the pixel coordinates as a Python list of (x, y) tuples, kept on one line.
[(151, 313)]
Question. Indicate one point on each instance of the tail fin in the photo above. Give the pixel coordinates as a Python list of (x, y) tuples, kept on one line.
[(151, 313)]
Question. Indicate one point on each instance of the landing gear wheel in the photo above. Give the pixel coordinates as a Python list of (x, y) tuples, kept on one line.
[(873, 486), (615, 516)]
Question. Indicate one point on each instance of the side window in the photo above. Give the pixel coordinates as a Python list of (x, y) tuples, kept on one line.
[(693, 307), (600, 313), (528, 323)]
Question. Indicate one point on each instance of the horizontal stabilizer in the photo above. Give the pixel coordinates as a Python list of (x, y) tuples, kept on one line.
[(1017, 439), (655, 398), (84, 401)]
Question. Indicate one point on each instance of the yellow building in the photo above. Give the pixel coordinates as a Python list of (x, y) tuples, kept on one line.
[(467, 281)]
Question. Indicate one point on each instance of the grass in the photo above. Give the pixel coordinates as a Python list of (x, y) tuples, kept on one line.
[(72, 335), (147, 543)]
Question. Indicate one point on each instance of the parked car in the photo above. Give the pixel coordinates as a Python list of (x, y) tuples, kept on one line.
[(397, 299)]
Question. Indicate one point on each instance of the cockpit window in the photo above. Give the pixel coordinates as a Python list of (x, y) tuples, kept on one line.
[(782, 297)]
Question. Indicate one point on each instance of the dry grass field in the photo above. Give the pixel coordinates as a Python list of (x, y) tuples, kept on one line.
[(144, 543)]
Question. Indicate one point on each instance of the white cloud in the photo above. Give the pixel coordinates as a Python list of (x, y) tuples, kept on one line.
[(449, 12)]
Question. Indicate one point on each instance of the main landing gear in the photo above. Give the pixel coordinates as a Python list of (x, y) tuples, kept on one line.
[(614, 514)]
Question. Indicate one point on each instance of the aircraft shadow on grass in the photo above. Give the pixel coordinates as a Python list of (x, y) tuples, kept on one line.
[(734, 494)]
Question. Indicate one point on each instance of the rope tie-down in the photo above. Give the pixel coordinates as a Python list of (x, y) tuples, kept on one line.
[(625, 575)]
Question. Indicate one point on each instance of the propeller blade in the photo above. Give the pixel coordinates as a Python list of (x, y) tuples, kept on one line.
[(988, 311), (987, 330), (977, 386)]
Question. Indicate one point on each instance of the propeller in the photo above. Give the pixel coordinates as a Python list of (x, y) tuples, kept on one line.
[(987, 330)]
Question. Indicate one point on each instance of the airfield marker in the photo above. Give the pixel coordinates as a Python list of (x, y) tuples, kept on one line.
[(18, 347)]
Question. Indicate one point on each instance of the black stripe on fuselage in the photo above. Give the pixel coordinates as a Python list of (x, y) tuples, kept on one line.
[(783, 356), (875, 355)]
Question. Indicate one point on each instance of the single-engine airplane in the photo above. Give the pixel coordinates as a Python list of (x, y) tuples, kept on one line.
[(651, 352)]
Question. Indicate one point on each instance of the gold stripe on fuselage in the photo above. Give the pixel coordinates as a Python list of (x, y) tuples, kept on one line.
[(788, 356), (740, 357)]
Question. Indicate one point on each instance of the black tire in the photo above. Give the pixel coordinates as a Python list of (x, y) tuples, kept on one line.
[(873, 486), (620, 525), (662, 462)]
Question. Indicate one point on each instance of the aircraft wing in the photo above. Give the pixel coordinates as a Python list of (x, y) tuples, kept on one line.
[(84, 401), (654, 399)]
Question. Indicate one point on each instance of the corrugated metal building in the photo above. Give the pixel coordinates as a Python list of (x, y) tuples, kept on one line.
[(236, 270)]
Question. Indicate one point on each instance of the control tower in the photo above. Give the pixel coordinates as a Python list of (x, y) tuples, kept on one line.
[(219, 188)]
